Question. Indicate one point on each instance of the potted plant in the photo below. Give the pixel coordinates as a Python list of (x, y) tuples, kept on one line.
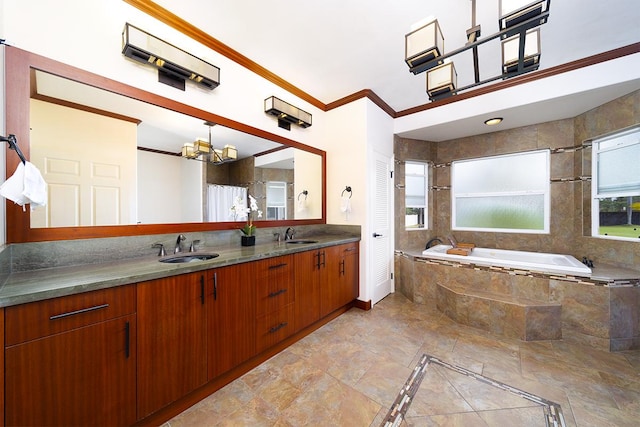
[(239, 210)]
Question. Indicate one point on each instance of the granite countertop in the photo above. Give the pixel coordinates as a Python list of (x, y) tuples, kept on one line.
[(48, 283)]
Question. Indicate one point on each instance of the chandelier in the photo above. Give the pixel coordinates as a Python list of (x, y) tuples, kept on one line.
[(204, 151)]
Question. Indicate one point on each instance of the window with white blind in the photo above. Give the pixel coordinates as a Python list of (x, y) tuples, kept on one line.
[(416, 179), (508, 193), (615, 186), (276, 200)]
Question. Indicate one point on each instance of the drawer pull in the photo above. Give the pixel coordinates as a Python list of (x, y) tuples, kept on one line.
[(73, 313), (276, 293), (127, 340), (273, 267), (277, 327)]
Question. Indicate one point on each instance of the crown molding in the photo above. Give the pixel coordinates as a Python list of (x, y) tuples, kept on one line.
[(163, 15)]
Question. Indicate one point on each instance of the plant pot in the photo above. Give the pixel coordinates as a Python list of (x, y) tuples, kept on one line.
[(248, 240)]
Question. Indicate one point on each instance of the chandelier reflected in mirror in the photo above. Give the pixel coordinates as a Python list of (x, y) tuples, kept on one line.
[(519, 35), (204, 151)]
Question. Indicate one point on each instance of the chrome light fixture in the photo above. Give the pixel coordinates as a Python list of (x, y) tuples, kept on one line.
[(518, 22), (174, 65), (202, 150), (286, 113)]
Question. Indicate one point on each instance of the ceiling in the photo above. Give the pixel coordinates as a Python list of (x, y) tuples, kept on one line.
[(334, 48)]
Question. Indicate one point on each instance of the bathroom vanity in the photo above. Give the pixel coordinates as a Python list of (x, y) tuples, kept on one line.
[(139, 341)]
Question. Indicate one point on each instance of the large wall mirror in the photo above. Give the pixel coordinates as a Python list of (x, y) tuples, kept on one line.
[(112, 158)]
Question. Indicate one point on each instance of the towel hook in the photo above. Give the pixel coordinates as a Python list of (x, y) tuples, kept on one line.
[(305, 192), (13, 144), (348, 190)]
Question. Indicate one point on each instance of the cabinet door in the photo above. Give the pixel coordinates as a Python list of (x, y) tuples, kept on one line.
[(85, 376), (341, 286), (231, 317), (310, 268), (172, 340)]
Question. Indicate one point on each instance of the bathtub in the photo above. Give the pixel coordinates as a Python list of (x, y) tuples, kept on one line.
[(534, 261)]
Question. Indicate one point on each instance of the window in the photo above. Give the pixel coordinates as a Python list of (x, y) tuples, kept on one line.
[(507, 193), (276, 200), (615, 186), (416, 185)]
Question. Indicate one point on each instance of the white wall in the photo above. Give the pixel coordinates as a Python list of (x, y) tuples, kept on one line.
[(175, 195)]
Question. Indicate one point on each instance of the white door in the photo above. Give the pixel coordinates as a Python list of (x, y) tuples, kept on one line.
[(381, 258), (86, 186)]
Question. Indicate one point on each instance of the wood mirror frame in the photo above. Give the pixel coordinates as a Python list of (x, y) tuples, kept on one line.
[(18, 64)]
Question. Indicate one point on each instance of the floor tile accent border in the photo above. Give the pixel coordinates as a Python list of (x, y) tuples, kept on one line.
[(552, 411), (407, 392)]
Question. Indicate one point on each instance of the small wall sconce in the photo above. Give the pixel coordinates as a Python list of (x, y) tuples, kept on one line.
[(514, 12), (286, 113), (441, 81), (174, 65), (423, 44), (512, 63)]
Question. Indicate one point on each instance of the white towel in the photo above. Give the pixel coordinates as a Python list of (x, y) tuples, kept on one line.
[(302, 205), (26, 185), (345, 204)]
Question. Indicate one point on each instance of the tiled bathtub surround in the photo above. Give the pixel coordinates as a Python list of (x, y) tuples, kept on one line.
[(570, 221), (526, 305)]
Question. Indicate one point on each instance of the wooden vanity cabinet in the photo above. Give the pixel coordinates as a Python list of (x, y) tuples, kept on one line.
[(72, 360), (172, 339), (230, 317), (310, 274), (275, 298), (341, 284)]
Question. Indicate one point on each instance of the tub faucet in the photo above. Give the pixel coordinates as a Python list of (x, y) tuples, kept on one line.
[(288, 235), (181, 238), (432, 241), (453, 241)]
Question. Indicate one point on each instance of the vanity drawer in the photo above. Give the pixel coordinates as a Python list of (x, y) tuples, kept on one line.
[(274, 284), (274, 327), (34, 320)]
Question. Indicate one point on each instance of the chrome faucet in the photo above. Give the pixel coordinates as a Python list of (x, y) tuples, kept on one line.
[(432, 242), (193, 247), (181, 238), (288, 235), (162, 252)]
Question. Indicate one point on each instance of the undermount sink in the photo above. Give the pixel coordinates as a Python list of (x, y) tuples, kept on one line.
[(300, 241), (189, 257)]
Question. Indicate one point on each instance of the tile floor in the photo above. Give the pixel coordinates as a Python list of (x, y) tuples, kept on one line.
[(349, 372)]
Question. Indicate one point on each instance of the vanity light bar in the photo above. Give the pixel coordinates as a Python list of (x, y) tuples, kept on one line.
[(286, 113), (147, 49)]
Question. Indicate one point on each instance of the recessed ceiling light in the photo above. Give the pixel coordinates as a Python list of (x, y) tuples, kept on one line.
[(493, 121)]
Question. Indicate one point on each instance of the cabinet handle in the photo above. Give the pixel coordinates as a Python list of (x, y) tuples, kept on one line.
[(323, 258), (276, 293), (273, 267), (277, 327), (215, 286), (83, 310), (350, 249), (317, 255), (341, 269), (127, 339), (202, 289)]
